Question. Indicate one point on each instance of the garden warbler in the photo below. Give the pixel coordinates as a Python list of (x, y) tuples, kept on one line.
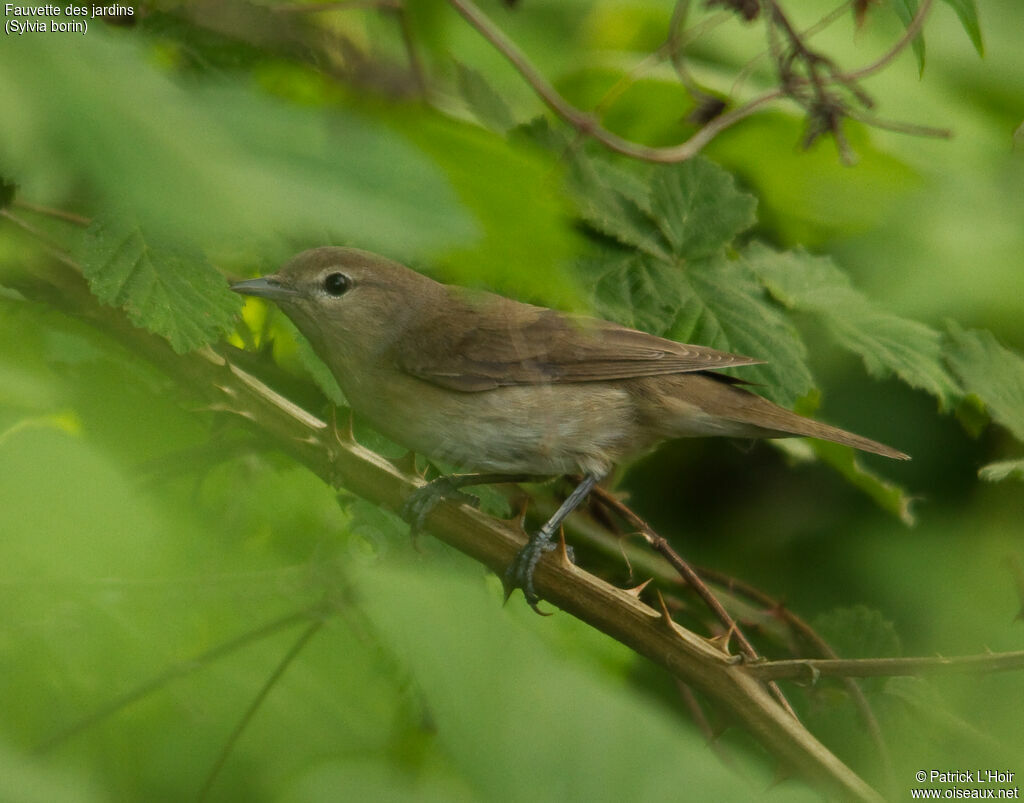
[(495, 385)]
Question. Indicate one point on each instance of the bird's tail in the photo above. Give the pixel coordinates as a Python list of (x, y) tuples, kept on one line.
[(764, 414)]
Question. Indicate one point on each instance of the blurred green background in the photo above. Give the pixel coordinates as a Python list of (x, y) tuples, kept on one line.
[(134, 538)]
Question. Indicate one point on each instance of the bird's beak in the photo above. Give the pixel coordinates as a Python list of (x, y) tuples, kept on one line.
[(265, 286)]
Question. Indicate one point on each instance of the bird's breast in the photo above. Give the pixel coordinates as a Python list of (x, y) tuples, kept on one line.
[(536, 429)]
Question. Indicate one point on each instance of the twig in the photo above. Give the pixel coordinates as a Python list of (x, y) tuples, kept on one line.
[(812, 668), (616, 612), (254, 706), (336, 5), (809, 634), (176, 671), (826, 112), (913, 29), (61, 214), (691, 577)]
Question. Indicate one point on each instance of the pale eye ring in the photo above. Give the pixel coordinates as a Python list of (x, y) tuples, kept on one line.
[(337, 284)]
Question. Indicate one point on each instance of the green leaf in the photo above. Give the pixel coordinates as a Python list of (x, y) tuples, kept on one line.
[(906, 10), (7, 191), (313, 365), (887, 495), (1003, 470), (616, 206), (992, 372), (635, 290), (673, 278), (859, 632), (486, 105), (698, 208), (230, 161), (724, 307), (165, 288), (887, 343), (967, 11)]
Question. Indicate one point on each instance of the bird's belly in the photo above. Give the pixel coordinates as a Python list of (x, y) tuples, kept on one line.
[(534, 429)]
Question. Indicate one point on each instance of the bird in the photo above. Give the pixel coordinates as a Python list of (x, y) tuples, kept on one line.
[(509, 390)]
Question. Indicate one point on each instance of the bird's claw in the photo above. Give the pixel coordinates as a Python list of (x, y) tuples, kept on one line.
[(419, 503), (519, 573)]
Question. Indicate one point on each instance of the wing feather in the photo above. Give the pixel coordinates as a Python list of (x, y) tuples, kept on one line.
[(488, 342)]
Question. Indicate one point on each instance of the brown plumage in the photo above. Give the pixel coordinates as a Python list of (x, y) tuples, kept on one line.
[(492, 384)]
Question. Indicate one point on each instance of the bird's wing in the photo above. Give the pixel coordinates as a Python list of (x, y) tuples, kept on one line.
[(494, 341)]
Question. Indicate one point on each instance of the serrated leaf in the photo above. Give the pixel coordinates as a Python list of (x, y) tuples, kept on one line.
[(725, 308), (166, 288), (859, 632), (885, 342), (992, 372), (698, 208), (616, 208), (906, 10), (1003, 470), (486, 105), (635, 290), (887, 495), (967, 11)]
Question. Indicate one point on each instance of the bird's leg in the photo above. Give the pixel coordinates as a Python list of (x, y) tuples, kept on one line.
[(420, 502), (519, 574)]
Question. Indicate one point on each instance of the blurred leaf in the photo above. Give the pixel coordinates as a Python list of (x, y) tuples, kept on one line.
[(314, 366), (992, 372), (859, 632), (165, 288), (265, 167), (887, 495), (487, 105), (967, 11), (887, 343), (7, 191), (906, 10), (1003, 470)]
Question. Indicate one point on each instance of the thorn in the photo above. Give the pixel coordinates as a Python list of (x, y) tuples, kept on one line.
[(721, 641), (519, 519), (344, 433), (563, 551), (227, 390), (406, 463), (663, 614), (312, 440), (635, 591)]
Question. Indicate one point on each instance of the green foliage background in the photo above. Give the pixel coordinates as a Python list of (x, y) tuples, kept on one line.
[(139, 532)]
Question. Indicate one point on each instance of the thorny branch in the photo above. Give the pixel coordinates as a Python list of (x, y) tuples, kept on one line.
[(340, 461)]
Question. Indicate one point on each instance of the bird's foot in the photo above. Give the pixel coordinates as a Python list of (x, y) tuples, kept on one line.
[(420, 502), (519, 573)]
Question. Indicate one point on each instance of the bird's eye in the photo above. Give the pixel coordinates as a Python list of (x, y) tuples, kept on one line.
[(337, 284)]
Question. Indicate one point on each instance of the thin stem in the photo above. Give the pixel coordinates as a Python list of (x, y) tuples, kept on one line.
[(176, 671), (913, 29), (71, 217), (254, 706), (691, 577), (812, 668), (336, 5)]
